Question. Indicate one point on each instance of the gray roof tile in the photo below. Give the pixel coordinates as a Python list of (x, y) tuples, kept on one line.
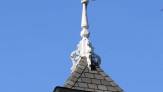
[(96, 81)]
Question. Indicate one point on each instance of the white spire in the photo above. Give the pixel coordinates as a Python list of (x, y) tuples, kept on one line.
[(84, 48), (84, 21)]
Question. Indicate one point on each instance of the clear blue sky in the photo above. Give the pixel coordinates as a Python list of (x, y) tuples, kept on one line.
[(37, 37)]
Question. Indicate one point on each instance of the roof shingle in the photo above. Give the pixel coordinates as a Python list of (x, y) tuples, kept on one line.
[(91, 80)]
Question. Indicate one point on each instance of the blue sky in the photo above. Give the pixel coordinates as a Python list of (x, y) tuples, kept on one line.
[(37, 37)]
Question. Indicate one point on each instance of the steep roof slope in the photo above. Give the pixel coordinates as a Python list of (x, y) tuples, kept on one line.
[(82, 78)]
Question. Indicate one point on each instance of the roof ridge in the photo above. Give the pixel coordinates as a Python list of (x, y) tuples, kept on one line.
[(80, 75)]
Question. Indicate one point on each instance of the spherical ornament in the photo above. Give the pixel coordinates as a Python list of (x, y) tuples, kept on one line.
[(96, 60)]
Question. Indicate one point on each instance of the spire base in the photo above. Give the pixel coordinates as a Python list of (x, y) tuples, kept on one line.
[(85, 50)]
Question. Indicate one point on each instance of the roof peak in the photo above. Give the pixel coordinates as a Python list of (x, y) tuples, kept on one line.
[(87, 80), (86, 72)]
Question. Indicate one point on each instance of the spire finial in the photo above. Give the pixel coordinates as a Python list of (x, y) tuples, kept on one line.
[(84, 48), (84, 21)]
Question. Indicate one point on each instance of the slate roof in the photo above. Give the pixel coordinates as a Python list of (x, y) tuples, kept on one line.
[(91, 80)]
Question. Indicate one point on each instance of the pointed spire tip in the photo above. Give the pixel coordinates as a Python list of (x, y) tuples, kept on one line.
[(84, 1)]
